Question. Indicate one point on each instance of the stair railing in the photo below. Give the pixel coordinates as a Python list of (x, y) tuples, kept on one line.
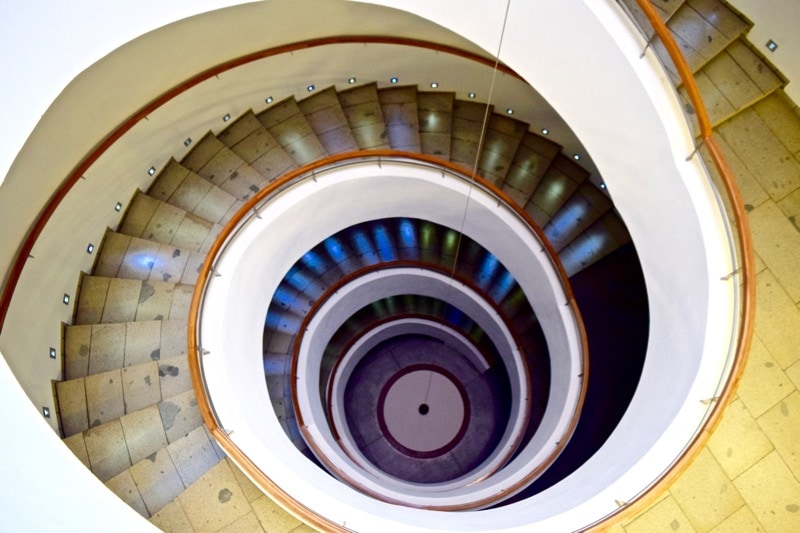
[(251, 209), (744, 300)]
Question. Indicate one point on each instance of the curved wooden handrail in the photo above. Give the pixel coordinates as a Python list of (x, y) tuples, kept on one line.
[(747, 302), (26, 247), (205, 272)]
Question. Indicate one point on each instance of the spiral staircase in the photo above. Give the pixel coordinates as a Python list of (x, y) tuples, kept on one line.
[(126, 405)]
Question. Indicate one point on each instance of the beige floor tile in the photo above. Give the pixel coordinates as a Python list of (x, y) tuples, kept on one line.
[(142, 340), (140, 386), (217, 449), (92, 299), (139, 259), (193, 455), (777, 241), (104, 400), (173, 338), (77, 446), (753, 194), (192, 233), (303, 528), (168, 181), (759, 263), (248, 523), (763, 153), (155, 301), (107, 350), (251, 492), (112, 254), (272, 517), (190, 192), (138, 215), (705, 494), (775, 111), (781, 424), (72, 406), (215, 500), (777, 321), (77, 343), (763, 383), (172, 519), (772, 493), (738, 442), (170, 263), (124, 487), (121, 300), (108, 454), (174, 376), (790, 206), (793, 373), (664, 516), (193, 264), (157, 480), (180, 415), (215, 205), (164, 224), (742, 521), (144, 433), (181, 300), (732, 81)]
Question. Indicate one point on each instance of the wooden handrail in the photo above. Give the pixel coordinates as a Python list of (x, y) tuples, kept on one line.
[(23, 252), (747, 301), (205, 272)]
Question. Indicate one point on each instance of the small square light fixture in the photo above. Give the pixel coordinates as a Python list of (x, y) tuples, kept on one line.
[(310, 88), (268, 99), (510, 111), (226, 117), (188, 141), (351, 81), (46, 412), (52, 353), (576, 157), (434, 85), (118, 207), (545, 131), (151, 171), (65, 299), (393, 80), (471, 95), (90, 248), (772, 45), (602, 185)]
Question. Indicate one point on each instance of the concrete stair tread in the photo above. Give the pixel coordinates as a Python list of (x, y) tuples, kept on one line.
[(325, 116), (108, 300), (363, 113), (285, 121)]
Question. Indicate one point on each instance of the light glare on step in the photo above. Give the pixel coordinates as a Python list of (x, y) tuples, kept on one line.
[(772, 45)]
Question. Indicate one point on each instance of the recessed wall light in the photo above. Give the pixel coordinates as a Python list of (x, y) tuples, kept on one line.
[(268, 99), (351, 81), (434, 85), (602, 185), (471, 95), (576, 157), (52, 353), (188, 141), (151, 171), (90, 248), (226, 118), (310, 88), (46, 412), (510, 111), (118, 207), (65, 299), (772, 45), (545, 131), (394, 80)]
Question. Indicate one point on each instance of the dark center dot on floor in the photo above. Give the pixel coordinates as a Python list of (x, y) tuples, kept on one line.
[(423, 409)]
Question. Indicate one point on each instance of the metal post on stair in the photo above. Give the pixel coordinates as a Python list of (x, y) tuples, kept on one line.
[(696, 149)]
